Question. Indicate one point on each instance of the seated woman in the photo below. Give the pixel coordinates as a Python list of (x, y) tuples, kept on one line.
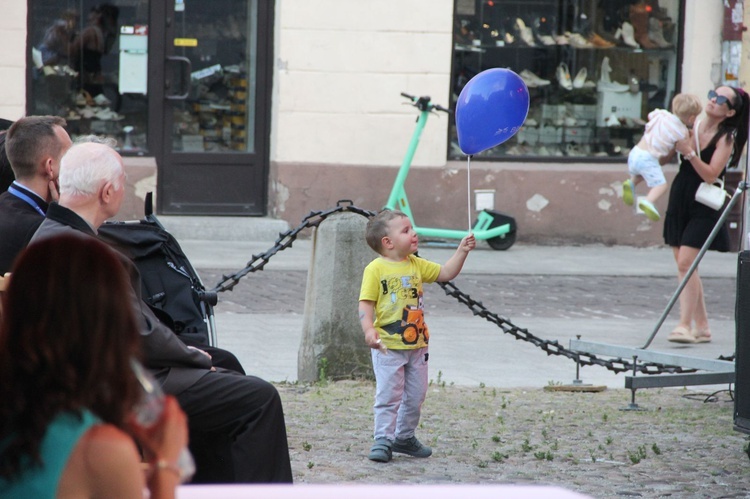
[(68, 389)]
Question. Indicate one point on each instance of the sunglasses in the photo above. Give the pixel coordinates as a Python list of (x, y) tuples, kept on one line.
[(720, 99)]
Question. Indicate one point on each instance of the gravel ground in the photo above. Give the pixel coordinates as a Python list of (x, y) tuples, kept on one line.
[(683, 445), (680, 446)]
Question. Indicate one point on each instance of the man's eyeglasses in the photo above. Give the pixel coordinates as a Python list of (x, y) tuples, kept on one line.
[(720, 99)]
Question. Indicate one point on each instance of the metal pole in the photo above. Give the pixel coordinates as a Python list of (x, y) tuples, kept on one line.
[(736, 196)]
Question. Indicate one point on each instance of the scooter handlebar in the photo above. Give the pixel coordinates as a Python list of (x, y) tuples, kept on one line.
[(424, 104)]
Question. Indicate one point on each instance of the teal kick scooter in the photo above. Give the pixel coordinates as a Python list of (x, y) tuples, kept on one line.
[(498, 229)]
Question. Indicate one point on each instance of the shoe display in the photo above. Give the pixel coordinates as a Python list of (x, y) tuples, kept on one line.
[(580, 79), (599, 42), (626, 32), (605, 84), (525, 33), (639, 20), (612, 120), (578, 41), (563, 76), (532, 80), (655, 33), (591, 68)]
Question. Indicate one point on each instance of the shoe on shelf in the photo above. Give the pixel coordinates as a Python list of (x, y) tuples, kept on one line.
[(525, 33), (656, 33), (412, 447), (562, 40), (580, 78), (649, 209), (626, 32), (612, 120), (546, 40), (532, 80), (599, 42), (639, 19), (628, 192), (563, 76), (578, 41)]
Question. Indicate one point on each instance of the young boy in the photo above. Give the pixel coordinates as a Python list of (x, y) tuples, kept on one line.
[(655, 148), (391, 314)]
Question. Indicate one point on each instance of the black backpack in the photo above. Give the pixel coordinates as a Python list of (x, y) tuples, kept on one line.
[(171, 287)]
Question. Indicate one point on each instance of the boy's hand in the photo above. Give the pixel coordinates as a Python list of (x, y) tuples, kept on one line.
[(468, 243), (372, 339)]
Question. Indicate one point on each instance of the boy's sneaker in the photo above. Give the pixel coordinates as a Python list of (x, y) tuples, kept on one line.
[(649, 209), (412, 447), (381, 451), (627, 192)]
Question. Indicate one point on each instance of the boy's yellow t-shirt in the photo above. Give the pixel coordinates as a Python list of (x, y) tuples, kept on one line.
[(396, 289)]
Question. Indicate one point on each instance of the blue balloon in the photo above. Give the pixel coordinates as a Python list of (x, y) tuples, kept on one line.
[(492, 107)]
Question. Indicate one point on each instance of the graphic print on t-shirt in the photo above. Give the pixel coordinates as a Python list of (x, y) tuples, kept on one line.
[(406, 291)]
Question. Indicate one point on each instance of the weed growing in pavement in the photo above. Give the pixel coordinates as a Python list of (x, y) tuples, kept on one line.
[(655, 449), (638, 455), (310, 465), (526, 446), (544, 456), (306, 446), (609, 440), (499, 457), (323, 371), (496, 438)]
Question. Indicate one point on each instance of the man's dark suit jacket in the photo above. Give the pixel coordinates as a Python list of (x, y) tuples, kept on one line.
[(175, 365), (18, 223)]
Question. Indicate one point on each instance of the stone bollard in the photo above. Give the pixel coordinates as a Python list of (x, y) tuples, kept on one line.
[(333, 344)]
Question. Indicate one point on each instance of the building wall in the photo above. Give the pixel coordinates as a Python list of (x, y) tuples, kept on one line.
[(13, 59), (340, 127)]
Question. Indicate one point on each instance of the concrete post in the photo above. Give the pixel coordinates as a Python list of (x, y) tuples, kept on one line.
[(332, 340)]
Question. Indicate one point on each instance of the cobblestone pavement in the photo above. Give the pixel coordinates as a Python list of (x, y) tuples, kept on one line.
[(683, 445), (273, 291)]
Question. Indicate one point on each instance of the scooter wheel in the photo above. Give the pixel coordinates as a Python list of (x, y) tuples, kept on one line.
[(502, 243)]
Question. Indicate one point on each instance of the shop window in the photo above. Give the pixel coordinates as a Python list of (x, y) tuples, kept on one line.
[(89, 65), (594, 69)]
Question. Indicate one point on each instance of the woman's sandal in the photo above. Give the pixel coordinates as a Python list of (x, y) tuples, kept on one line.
[(681, 334), (702, 335)]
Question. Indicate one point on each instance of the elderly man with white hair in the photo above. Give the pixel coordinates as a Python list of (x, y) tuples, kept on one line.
[(237, 428)]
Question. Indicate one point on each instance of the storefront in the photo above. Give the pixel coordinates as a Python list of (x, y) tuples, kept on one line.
[(185, 82), (594, 69), (250, 107)]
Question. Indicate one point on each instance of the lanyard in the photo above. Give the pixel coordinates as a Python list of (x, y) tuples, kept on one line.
[(26, 198)]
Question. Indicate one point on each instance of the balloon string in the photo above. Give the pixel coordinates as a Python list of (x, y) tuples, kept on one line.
[(468, 189)]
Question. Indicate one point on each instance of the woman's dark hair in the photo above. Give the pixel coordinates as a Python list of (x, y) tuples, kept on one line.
[(736, 126), (67, 334)]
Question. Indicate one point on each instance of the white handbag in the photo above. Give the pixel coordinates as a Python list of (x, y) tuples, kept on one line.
[(712, 195)]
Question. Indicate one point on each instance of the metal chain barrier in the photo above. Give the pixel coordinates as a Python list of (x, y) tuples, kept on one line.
[(551, 347)]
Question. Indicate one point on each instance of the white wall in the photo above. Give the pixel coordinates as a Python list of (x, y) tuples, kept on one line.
[(701, 65), (341, 65), (339, 70), (13, 59)]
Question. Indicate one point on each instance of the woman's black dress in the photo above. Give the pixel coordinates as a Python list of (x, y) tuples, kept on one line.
[(688, 222)]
